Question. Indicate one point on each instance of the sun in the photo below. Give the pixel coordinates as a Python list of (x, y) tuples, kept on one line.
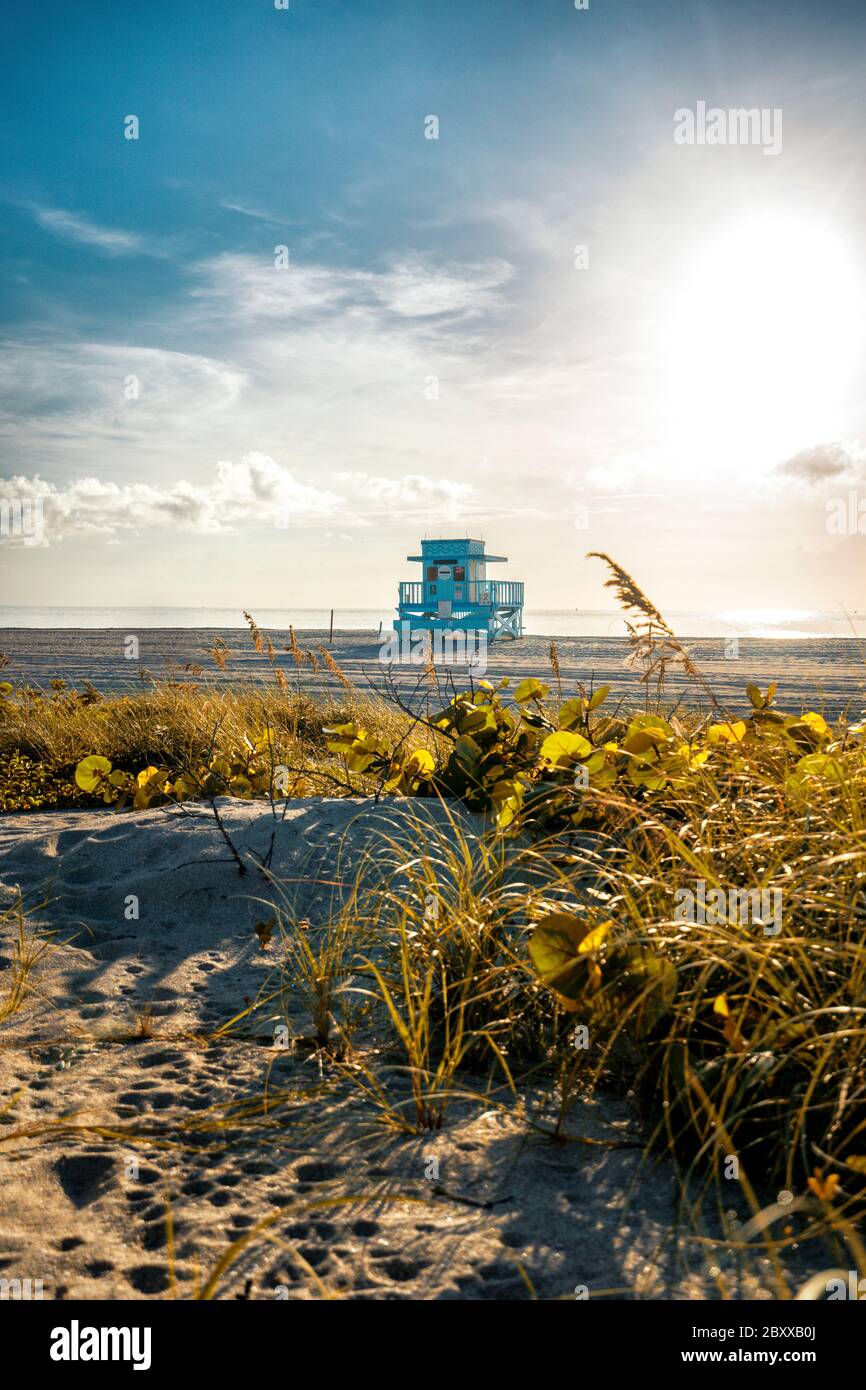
[(764, 339)]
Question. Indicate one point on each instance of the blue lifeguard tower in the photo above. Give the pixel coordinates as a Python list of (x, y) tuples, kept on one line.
[(455, 593)]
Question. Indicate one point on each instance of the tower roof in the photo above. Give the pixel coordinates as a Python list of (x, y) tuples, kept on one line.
[(452, 549)]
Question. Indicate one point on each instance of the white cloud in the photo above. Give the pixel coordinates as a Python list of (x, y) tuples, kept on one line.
[(254, 288), (417, 290), (258, 214), (74, 228), (251, 289), (824, 461), (255, 492), (72, 407), (412, 496)]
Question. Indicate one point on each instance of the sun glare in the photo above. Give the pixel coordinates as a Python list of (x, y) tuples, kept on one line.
[(764, 340)]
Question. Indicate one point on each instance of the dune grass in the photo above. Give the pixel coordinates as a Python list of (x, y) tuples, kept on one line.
[(28, 948), (45, 734)]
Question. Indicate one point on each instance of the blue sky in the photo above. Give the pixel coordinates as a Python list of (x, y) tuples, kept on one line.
[(432, 359)]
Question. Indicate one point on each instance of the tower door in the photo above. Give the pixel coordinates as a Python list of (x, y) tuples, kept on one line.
[(441, 581), (444, 581)]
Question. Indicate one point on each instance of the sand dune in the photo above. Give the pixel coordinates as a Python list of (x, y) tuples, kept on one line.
[(98, 1130)]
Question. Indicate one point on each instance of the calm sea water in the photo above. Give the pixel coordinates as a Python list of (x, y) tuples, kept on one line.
[(775, 623)]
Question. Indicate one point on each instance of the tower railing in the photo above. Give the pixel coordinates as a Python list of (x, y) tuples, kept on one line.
[(485, 593)]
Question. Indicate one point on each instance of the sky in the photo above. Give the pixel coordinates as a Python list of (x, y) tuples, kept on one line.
[(374, 270)]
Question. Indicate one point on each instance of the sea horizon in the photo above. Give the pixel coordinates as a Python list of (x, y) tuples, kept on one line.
[(776, 624)]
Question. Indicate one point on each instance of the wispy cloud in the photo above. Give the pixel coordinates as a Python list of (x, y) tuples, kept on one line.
[(249, 288), (74, 228), (258, 214), (70, 407), (414, 289), (413, 496)]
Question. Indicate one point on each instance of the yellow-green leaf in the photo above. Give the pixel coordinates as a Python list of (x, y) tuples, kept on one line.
[(564, 748), (90, 772), (571, 713), (822, 765), (727, 733), (421, 762), (561, 949), (530, 689)]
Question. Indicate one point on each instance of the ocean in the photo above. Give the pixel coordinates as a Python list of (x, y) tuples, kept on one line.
[(777, 624)]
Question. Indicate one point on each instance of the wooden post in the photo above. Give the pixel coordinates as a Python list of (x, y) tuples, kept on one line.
[(380, 629), (331, 633)]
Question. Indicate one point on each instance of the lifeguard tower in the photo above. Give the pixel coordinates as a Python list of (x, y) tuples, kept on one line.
[(455, 594)]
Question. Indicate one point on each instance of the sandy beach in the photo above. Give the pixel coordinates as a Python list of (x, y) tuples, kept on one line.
[(823, 673), (101, 1131)]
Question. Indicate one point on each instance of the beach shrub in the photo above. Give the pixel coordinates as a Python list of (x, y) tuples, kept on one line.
[(245, 773), (175, 728), (30, 785), (530, 765), (539, 765)]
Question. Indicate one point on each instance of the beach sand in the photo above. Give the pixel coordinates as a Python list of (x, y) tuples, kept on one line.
[(828, 674), (98, 1130)]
